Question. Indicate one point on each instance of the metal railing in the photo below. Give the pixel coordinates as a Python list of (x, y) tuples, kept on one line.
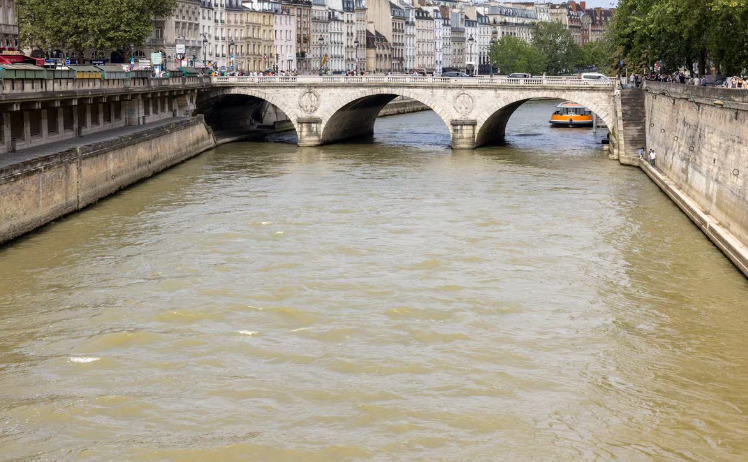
[(426, 81)]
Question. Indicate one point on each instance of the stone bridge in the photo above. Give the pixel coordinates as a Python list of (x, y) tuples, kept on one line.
[(475, 110)]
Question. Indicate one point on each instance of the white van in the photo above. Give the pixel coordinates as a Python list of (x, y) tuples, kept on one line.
[(594, 76)]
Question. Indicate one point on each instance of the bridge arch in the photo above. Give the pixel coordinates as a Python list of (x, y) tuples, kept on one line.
[(491, 121), (216, 99), (353, 114)]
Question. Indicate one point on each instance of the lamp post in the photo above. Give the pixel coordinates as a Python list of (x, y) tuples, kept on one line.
[(355, 51), (321, 45), (231, 53), (205, 49), (132, 56), (470, 52), (490, 49)]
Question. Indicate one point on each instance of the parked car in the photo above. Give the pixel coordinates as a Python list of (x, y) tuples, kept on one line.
[(519, 75), (454, 74), (594, 76)]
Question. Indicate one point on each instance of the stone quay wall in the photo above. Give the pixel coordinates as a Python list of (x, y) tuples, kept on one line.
[(402, 105), (37, 191), (700, 135)]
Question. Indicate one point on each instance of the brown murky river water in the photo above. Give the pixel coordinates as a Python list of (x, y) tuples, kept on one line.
[(391, 301)]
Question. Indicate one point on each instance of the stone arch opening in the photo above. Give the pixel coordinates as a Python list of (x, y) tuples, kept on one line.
[(355, 117), (492, 122), (238, 113)]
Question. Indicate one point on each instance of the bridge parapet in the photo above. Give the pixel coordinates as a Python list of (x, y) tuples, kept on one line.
[(483, 81), (24, 89)]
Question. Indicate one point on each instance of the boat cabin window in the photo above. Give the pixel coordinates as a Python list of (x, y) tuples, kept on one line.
[(573, 111)]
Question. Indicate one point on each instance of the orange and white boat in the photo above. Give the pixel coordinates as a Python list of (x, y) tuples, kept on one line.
[(570, 114)]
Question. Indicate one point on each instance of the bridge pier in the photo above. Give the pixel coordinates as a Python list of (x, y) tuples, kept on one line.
[(309, 131), (463, 134)]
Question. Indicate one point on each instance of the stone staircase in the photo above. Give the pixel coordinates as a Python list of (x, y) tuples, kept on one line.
[(634, 134)]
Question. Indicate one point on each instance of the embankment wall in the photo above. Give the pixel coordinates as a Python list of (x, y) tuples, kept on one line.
[(37, 191), (700, 135), (402, 105)]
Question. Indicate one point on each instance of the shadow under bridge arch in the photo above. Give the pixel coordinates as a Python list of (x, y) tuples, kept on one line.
[(491, 124), (238, 112), (356, 115)]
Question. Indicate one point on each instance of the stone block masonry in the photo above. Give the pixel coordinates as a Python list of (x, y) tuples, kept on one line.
[(40, 189), (701, 140)]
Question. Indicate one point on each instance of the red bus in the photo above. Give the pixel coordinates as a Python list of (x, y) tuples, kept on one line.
[(17, 57)]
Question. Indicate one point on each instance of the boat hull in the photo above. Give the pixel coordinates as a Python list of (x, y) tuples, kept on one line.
[(571, 121)]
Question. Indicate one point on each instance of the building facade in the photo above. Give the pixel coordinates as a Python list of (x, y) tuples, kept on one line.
[(397, 15), (8, 25), (350, 36), (378, 52), (512, 21), (484, 45), (471, 46), (336, 58), (177, 37), (410, 35), (425, 47), (302, 10), (459, 46), (284, 40), (359, 55)]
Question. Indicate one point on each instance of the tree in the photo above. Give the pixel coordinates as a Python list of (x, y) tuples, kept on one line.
[(599, 54), (556, 44), (678, 33), (97, 24), (511, 54)]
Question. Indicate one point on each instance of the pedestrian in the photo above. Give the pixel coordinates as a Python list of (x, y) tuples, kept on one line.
[(641, 152), (652, 157)]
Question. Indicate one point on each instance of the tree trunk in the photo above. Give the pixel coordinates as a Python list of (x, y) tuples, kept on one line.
[(702, 62)]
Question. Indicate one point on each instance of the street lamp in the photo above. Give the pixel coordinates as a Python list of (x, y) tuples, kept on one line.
[(490, 49), (321, 45), (470, 51), (355, 49), (231, 55), (205, 48)]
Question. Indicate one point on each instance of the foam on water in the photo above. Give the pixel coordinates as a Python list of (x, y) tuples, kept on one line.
[(83, 359), (248, 332)]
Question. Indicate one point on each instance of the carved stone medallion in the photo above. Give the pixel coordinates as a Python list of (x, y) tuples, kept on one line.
[(463, 103), (309, 101)]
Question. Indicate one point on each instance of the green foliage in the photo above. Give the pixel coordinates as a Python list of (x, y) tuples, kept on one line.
[(81, 24), (556, 44), (511, 54), (681, 32), (552, 51), (600, 54)]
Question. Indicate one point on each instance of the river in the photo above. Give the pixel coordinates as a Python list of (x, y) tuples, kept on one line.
[(381, 301)]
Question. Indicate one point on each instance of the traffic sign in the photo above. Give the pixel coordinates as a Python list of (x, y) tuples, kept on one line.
[(232, 67), (67, 62), (180, 48), (232, 56)]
